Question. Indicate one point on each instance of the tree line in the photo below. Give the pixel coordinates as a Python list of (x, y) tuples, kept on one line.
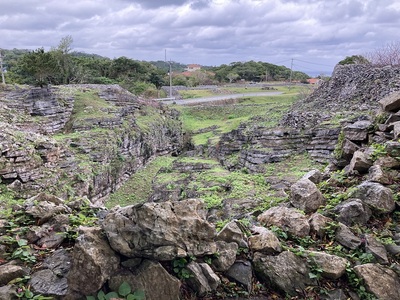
[(62, 65)]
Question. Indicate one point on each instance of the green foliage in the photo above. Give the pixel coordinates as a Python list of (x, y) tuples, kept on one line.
[(379, 150), (179, 268), (354, 59), (124, 292), (357, 284), (338, 151)]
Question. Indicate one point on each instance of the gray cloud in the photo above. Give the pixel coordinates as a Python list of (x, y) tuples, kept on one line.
[(209, 32)]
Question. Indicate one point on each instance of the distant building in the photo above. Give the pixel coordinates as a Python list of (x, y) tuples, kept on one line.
[(314, 80), (193, 67)]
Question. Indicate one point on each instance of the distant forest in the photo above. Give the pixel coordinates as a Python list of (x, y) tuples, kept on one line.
[(61, 65)]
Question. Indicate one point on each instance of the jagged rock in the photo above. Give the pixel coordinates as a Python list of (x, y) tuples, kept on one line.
[(241, 272), (352, 211), (45, 206), (382, 282), (46, 236), (264, 240), (376, 249), (203, 279), (226, 256), (349, 148), (288, 272), (306, 196), (8, 292), (52, 280), (315, 176), (391, 102), (10, 271), (393, 249), (161, 231), (151, 278), (333, 267), (396, 129), (359, 163), (289, 219), (377, 174), (357, 131), (232, 233), (393, 148), (345, 237), (318, 223), (93, 261), (378, 197), (387, 162)]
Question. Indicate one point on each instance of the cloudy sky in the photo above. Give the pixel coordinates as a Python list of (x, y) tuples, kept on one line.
[(312, 34)]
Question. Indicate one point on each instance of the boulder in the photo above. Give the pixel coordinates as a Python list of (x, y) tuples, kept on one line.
[(352, 211), (360, 163), (8, 292), (345, 237), (391, 103), (161, 231), (382, 282), (306, 196), (349, 148), (333, 267), (357, 131), (315, 176), (151, 278), (373, 246), (44, 206), (52, 279), (203, 279), (286, 271), (242, 273), (288, 219), (376, 196), (231, 232), (226, 256), (11, 271), (318, 223), (93, 261), (377, 174), (264, 240)]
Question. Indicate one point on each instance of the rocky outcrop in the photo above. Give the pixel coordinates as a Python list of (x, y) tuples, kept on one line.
[(60, 152)]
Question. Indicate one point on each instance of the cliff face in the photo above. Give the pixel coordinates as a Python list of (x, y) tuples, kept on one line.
[(80, 140)]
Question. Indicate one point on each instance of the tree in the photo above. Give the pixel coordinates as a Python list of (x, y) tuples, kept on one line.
[(232, 77), (63, 58), (388, 55), (37, 67), (354, 59)]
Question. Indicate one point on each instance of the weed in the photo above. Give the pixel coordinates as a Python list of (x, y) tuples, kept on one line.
[(124, 292), (179, 267), (379, 150)]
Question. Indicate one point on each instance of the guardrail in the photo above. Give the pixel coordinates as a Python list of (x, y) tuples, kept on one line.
[(166, 99)]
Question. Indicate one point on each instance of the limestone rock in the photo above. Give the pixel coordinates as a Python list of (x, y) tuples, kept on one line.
[(376, 248), (8, 292), (44, 207), (349, 148), (315, 176), (232, 233), (226, 256), (264, 240), (161, 231), (377, 174), (391, 102), (360, 163), (289, 219), (151, 278), (357, 131), (241, 272), (352, 211), (288, 272), (318, 223), (52, 279), (203, 279), (345, 237), (378, 197), (9, 272), (306, 196), (93, 261), (382, 282), (333, 267)]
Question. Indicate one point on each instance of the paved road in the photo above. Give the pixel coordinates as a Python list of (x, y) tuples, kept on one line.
[(222, 97)]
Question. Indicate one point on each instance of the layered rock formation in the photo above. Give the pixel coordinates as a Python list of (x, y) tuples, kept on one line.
[(79, 140)]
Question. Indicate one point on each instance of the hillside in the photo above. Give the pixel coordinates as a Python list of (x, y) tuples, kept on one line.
[(304, 209)]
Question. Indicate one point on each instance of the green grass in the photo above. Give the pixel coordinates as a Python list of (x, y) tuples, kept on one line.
[(139, 186), (89, 105)]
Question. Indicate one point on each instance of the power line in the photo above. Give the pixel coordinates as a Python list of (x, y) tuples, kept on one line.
[(313, 63)]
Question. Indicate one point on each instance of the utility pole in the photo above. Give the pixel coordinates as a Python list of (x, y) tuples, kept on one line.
[(291, 73), (1, 69), (170, 74)]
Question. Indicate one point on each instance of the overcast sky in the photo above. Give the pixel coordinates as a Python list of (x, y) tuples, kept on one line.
[(316, 34)]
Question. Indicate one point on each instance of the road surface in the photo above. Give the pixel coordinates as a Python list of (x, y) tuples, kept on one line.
[(221, 97)]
